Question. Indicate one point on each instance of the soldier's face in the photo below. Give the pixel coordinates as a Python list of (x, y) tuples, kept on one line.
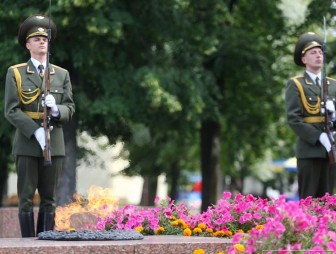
[(37, 45), (313, 59)]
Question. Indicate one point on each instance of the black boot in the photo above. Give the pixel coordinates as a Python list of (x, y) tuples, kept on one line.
[(45, 222), (27, 226)]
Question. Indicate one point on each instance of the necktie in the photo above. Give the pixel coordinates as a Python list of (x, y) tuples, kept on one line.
[(41, 67), (317, 81)]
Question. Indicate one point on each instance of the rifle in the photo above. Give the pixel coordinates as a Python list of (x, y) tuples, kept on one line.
[(328, 121), (46, 110)]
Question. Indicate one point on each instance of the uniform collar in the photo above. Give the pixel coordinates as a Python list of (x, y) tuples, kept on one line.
[(313, 75), (36, 63)]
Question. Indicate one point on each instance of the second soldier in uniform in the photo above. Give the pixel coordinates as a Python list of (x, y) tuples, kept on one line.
[(303, 109)]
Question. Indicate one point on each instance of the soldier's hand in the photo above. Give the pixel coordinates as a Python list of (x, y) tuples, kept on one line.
[(51, 103), (330, 106), (325, 141), (40, 137)]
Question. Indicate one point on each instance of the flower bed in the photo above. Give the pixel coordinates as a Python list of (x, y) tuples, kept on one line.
[(253, 223)]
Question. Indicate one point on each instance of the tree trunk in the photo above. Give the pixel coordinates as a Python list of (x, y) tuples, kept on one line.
[(149, 190), (3, 183), (67, 182), (210, 151), (5, 156), (174, 177)]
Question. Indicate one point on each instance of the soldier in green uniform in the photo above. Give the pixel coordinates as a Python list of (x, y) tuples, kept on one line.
[(303, 109), (24, 102)]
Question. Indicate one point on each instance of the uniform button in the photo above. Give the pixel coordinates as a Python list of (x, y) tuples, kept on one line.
[(56, 91)]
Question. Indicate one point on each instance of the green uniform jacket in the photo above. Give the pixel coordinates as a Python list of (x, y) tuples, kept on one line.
[(308, 144), (25, 142)]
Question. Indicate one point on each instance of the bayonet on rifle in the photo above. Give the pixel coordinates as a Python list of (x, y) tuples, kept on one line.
[(328, 121), (46, 110)]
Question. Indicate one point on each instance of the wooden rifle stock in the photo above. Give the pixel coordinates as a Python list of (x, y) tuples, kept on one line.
[(332, 155), (46, 119), (328, 121)]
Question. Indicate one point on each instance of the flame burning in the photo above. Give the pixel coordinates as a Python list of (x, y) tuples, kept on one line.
[(82, 213)]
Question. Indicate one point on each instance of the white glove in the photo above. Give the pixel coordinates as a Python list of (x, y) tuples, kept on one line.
[(325, 141), (40, 137), (51, 103), (330, 106)]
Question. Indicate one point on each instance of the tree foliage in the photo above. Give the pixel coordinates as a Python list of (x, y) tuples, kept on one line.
[(149, 73)]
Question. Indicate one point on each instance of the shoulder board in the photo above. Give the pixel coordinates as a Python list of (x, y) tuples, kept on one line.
[(331, 79), (58, 67), (298, 76), (19, 65)]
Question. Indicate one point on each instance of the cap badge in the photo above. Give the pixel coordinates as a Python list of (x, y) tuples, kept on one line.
[(40, 29), (39, 17)]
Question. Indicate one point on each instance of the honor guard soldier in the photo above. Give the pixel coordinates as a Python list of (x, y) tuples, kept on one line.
[(24, 107), (304, 116)]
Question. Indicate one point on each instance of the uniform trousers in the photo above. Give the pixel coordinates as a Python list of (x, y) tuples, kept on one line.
[(32, 176), (315, 177)]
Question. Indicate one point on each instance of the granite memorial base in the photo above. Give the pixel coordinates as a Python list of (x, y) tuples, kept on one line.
[(12, 243)]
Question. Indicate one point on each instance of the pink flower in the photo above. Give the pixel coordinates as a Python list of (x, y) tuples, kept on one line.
[(226, 195), (332, 246), (318, 250), (250, 198), (297, 246), (307, 224), (332, 235), (245, 218)]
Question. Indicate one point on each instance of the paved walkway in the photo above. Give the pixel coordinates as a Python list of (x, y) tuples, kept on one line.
[(149, 245)]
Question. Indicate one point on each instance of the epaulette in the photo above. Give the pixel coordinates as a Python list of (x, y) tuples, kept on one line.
[(18, 65), (331, 79), (298, 76), (58, 67)]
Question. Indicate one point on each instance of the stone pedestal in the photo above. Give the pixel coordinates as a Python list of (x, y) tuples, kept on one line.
[(12, 243), (9, 222), (149, 245)]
